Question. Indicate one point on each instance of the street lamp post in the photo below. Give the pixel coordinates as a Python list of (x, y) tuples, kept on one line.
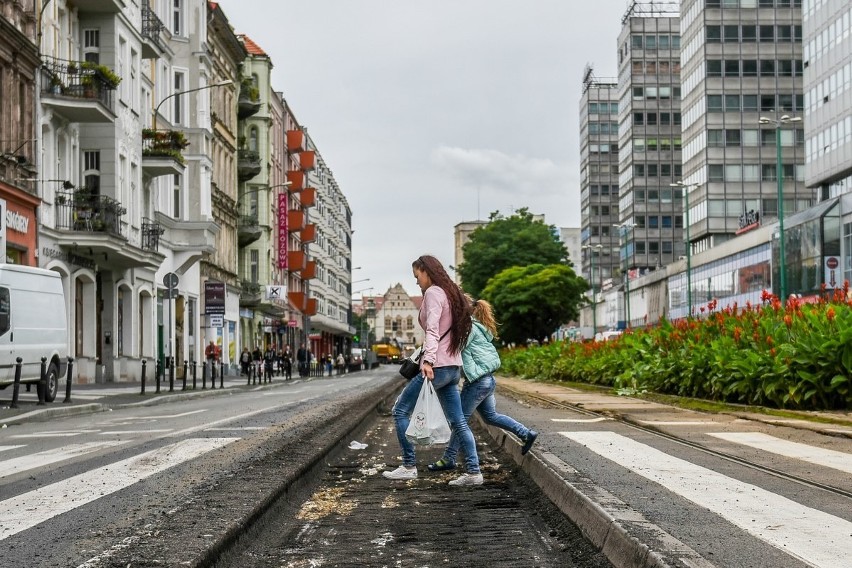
[(623, 232), (592, 249), (157, 108), (782, 265), (687, 187)]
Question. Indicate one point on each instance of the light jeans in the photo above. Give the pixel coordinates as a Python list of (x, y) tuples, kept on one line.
[(479, 396), (446, 386)]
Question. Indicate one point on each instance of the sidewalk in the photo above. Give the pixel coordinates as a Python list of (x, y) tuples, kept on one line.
[(92, 398)]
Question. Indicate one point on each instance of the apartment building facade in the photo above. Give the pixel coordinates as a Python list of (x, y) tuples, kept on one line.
[(18, 150)]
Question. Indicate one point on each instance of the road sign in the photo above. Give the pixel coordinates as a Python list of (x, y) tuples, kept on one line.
[(171, 280), (171, 294)]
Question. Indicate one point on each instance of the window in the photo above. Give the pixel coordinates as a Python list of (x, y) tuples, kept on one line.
[(714, 103), (732, 102), (254, 265), (714, 68), (636, 41), (767, 68), (638, 118), (92, 45), (179, 85), (714, 34), (767, 102), (749, 102), (716, 172), (732, 138), (92, 171), (748, 34), (749, 68), (666, 221), (652, 118), (651, 42), (732, 68), (767, 34), (177, 18), (665, 118), (732, 34), (176, 195)]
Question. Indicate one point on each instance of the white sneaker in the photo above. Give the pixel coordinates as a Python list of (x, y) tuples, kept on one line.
[(403, 472), (467, 479)]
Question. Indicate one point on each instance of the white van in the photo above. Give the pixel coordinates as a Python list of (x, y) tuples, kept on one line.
[(32, 326)]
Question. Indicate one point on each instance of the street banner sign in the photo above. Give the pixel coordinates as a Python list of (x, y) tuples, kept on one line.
[(214, 298)]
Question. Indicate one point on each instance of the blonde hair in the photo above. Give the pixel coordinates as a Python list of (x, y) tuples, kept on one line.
[(483, 313)]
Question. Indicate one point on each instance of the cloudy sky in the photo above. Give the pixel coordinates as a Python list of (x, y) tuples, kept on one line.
[(432, 113)]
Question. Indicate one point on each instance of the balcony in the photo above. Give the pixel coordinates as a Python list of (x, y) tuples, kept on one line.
[(248, 103), (307, 160), (295, 140), (312, 307), (248, 230), (93, 228), (297, 180), (296, 260), (153, 45), (298, 300), (308, 234), (161, 152), (248, 164), (308, 197), (295, 220), (100, 6), (151, 233), (83, 211), (79, 91), (310, 270), (251, 293)]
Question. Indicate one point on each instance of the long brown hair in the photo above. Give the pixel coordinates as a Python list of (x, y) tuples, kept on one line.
[(459, 306)]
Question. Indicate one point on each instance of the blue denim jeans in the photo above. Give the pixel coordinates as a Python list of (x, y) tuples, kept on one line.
[(479, 396), (446, 386)]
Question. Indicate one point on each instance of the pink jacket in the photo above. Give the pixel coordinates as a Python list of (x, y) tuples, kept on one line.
[(436, 318)]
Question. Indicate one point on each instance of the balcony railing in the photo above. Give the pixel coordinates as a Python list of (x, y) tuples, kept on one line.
[(78, 80), (82, 211), (248, 230), (248, 103), (163, 143), (248, 164), (152, 28), (249, 293), (151, 233)]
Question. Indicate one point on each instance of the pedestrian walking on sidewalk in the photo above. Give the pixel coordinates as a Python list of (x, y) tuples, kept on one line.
[(479, 361), (445, 317)]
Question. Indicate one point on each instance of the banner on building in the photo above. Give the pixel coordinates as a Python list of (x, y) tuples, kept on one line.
[(214, 298), (282, 230), (276, 292)]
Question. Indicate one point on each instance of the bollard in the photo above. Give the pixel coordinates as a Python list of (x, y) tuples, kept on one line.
[(203, 375), (194, 382), (171, 373), (212, 374), (17, 388), (185, 371), (42, 383), (144, 364), (68, 380), (221, 375), (248, 374), (157, 375)]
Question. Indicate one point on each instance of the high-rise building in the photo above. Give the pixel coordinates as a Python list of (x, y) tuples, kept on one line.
[(827, 55), (598, 178), (742, 62)]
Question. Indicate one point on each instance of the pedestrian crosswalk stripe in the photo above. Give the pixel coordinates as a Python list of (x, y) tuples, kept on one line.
[(32, 461), (30, 509), (583, 420), (7, 448), (808, 534), (818, 456)]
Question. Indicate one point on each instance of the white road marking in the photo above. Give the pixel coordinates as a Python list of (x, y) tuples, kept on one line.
[(235, 428), (678, 422), (7, 448), (808, 534), (158, 417), (583, 420), (119, 432), (39, 459), (30, 509), (57, 434), (819, 456)]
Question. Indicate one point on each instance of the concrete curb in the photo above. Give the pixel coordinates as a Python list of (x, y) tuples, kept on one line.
[(600, 527)]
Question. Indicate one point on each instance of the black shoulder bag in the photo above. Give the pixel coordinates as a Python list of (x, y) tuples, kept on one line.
[(411, 365)]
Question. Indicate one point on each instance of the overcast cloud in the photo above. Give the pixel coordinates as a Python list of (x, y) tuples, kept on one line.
[(433, 113)]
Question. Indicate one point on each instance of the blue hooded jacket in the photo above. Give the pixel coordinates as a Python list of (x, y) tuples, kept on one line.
[(479, 356)]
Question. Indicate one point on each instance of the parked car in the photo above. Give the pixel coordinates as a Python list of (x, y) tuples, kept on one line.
[(607, 335)]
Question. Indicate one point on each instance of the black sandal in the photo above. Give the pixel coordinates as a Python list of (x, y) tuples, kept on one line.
[(441, 465)]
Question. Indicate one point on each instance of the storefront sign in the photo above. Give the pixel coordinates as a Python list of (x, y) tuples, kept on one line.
[(748, 221), (214, 298), (68, 257)]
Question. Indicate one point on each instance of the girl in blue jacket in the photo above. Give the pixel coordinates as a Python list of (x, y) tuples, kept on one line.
[(479, 360)]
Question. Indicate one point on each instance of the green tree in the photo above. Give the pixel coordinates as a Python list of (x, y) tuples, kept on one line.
[(530, 302), (505, 242)]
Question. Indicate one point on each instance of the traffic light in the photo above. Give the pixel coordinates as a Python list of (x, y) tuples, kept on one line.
[(356, 339)]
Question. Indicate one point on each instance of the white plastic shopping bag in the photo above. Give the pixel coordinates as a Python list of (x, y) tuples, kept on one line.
[(428, 424)]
